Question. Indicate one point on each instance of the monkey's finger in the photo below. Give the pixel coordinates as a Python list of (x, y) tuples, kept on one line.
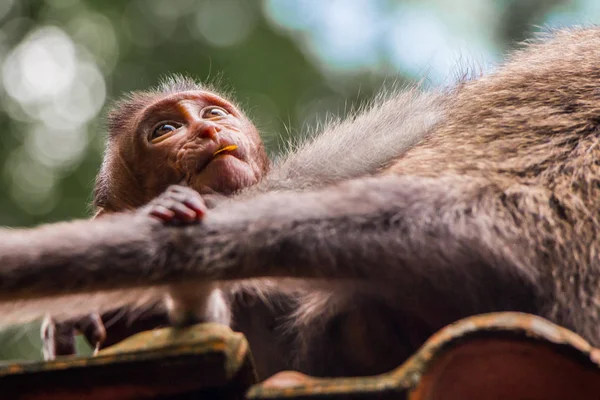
[(186, 196), (48, 332), (179, 193), (92, 328), (64, 343), (162, 213), (182, 189), (197, 205), (190, 197), (58, 339), (183, 212)]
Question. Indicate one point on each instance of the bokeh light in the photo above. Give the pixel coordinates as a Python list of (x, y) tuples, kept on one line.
[(291, 63), (224, 23), (59, 91), (40, 68)]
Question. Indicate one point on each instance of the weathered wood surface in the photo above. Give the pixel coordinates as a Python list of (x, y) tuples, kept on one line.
[(492, 356), (208, 361)]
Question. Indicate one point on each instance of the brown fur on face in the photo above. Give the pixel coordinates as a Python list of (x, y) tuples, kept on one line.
[(134, 170)]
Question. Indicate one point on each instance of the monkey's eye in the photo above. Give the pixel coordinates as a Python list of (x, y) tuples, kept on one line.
[(212, 112), (163, 129)]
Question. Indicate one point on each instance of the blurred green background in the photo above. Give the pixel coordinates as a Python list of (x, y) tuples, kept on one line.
[(290, 62)]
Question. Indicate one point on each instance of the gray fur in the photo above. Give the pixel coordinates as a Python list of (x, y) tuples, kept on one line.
[(495, 209), (362, 144)]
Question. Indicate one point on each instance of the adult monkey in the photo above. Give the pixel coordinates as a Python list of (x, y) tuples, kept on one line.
[(501, 201)]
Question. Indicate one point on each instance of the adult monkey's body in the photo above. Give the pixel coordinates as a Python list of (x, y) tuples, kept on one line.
[(496, 210)]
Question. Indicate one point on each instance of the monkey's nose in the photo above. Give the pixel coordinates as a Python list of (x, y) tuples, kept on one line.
[(205, 130)]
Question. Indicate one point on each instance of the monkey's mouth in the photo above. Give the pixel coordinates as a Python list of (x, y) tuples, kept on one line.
[(225, 150), (202, 162)]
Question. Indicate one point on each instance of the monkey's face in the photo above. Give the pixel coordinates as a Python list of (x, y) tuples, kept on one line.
[(196, 137)]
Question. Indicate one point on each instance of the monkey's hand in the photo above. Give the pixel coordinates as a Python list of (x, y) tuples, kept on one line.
[(198, 303), (177, 205), (59, 337), (99, 331)]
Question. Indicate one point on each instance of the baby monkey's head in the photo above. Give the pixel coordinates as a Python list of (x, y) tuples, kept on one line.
[(180, 132)]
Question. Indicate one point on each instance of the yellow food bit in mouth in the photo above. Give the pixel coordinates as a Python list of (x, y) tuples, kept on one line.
[(231, 147)]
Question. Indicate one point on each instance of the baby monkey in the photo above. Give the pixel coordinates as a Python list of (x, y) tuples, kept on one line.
[(179, 134)]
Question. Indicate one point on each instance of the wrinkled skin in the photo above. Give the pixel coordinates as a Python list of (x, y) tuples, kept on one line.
[(139, 167)]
